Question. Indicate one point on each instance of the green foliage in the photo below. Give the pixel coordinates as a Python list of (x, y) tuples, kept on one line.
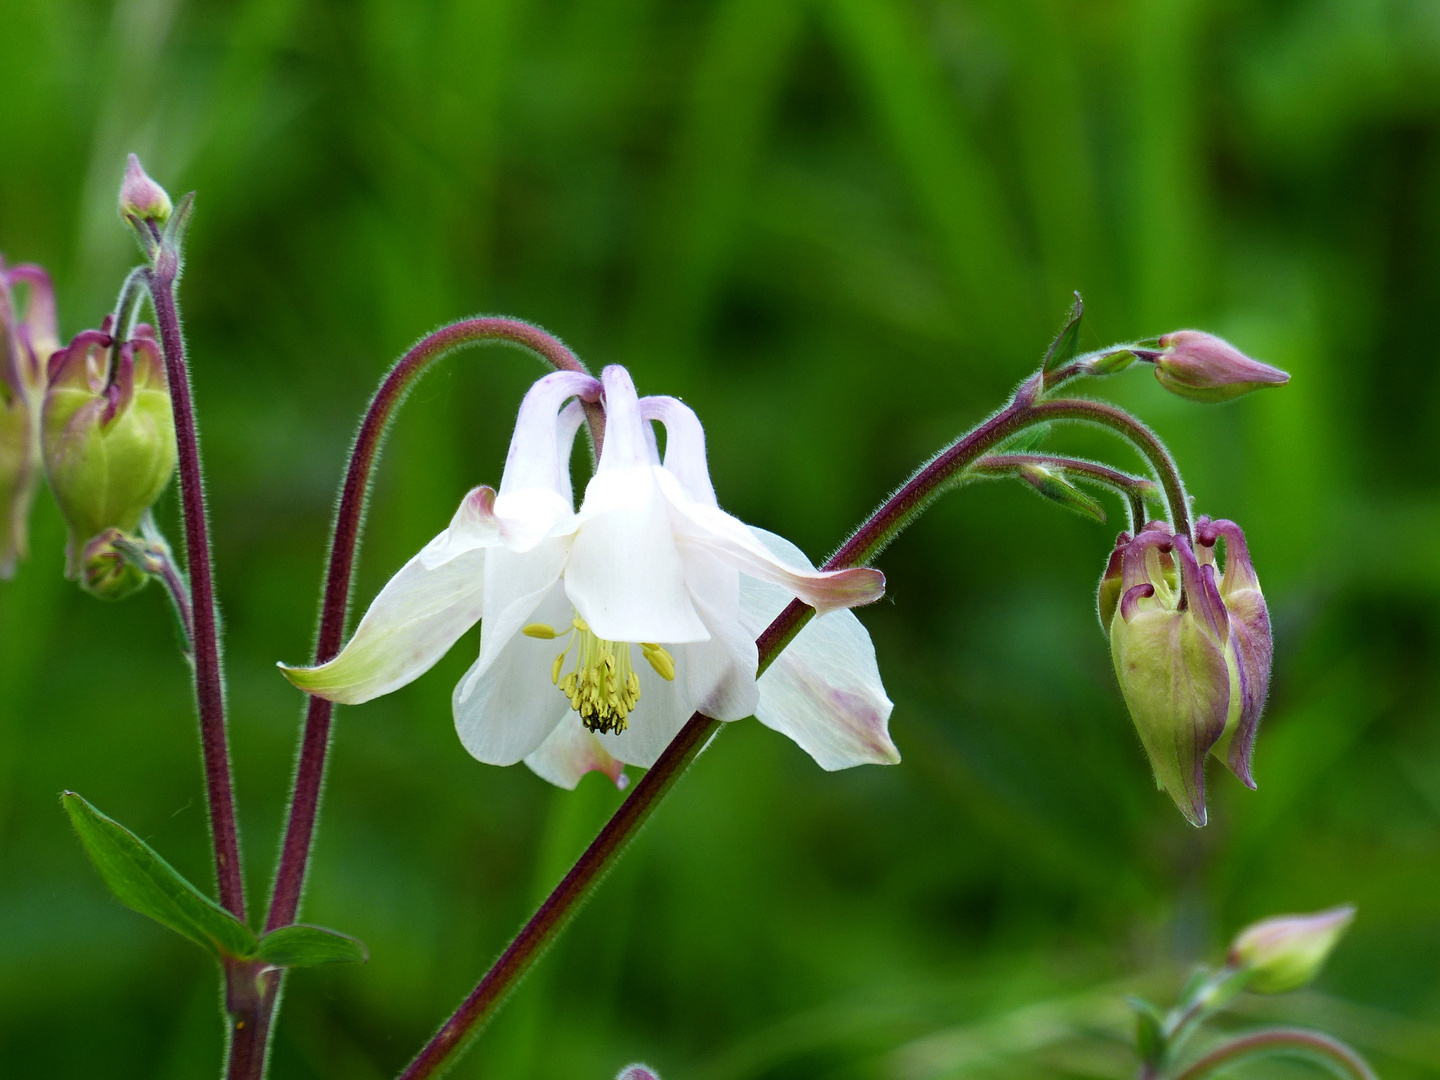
[(1067, 343), (309, 946), (144, 882), (842, 232)]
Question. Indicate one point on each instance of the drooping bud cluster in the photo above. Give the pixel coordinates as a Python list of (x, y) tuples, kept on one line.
[(1286, 952), (27, 338), (1192, 650), (108, 436), (1203, 367)]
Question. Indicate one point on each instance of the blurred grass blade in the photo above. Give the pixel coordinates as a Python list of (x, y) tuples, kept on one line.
[(310, 946), (144, 882), (1067, 342)]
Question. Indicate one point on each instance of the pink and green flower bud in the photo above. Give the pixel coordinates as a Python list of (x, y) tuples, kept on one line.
[(1203, 367), (1251, 646), (1168, 645), (27, 339), (141, 198), (108, 572), (108, 435), (1286, 952)]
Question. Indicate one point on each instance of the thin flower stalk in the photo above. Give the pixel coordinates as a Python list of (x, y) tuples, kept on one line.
[(1332, 1053), (939, 475), (205, 638)]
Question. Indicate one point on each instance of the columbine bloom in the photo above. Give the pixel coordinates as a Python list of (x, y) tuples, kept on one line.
[(603, 630), (1192, 652), (25, 346)]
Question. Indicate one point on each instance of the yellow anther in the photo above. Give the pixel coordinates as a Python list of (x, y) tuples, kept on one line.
[(543, 631), (660, 660), (555, 668), (579, 624)]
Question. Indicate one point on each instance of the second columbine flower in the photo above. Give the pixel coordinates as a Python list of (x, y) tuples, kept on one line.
[(603, 630)]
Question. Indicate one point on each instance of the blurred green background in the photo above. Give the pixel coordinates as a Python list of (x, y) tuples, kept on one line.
[(842, 230)]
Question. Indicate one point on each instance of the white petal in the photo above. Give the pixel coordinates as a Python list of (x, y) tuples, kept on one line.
[(515, 585), (412, 623), (626, 443), (625, 575), (473, 526), (711, 528), (506, 705), (569, 752), (526, 517), (534, 459), (684, 446), (824, 690), (571, 417)]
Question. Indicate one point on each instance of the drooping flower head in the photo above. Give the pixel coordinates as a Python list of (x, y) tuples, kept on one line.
[(1192, 653), (108, 435), (27, 339), (602, 630)]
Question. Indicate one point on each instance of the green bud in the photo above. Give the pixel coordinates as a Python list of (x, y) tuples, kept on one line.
[(108, 570), (1286, 952), (26, 342), (108, 435)]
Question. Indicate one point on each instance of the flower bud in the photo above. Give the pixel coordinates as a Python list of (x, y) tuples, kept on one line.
[(142, 199), (106, 571), (1203, 367), (26, 342), (637, 1072), (1192, 651), (108, 435), (1286, 952)]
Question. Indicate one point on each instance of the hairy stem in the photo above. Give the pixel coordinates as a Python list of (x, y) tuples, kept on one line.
[(1334, 1054), (205, 639), (1146, 441), (179, 593)]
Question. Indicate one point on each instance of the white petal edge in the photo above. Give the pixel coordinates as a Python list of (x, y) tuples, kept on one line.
[(569, 752), (409, 626), (824, 689)]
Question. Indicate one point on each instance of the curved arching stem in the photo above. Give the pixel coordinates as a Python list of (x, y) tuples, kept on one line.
[(1332, 1053)]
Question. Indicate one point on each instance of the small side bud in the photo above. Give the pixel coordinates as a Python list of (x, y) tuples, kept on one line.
[(1056, 486), (1286, 952), (107, 434), (1203, 367), (141, 198), (108, 570)]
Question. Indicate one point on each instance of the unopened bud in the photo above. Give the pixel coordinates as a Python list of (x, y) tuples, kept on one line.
[(637, 1072), (1286, 952), (27, 338), (1203, 367), (108, 435), (108, 570), (141, 198)]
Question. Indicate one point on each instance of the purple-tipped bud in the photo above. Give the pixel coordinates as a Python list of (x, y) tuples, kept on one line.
[(637, 1072), (142, 199), (1250, 648), (1203, 367), (27, 339), (1192, 652), (1286, 952), (108, 435)]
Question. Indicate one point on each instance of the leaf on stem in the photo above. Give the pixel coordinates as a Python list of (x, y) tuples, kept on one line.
[(1067, 342), (1056, 486), (1027, 442), (144, 882), (310, 946), (1150, 1041)]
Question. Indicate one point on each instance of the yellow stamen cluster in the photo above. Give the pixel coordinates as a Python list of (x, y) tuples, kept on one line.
[(603, 688)]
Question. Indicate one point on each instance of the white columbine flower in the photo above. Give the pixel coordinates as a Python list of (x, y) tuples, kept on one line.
[(603, 630)]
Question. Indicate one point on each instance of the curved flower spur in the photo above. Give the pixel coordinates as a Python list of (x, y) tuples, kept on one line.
[(603, 630)]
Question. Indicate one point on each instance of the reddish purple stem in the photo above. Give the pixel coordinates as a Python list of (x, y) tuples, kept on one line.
[(209, 681)]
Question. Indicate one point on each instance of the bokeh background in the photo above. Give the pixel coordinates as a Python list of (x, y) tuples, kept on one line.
[(842, 230)]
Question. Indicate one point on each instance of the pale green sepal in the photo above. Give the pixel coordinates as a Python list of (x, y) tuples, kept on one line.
[(144, 882)]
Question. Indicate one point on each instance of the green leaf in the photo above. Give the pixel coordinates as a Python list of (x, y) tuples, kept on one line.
[(1150, 1041), (144, 882), (1056, 486), (1067, 342), (310, 946)]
